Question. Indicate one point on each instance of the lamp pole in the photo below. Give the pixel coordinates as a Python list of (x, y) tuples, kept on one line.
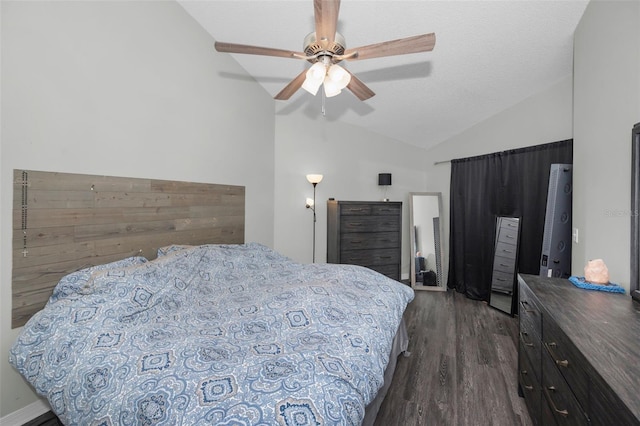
[(314, 223), (314, 179)]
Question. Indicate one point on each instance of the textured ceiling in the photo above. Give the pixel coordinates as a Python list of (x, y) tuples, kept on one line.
[(489, 55)]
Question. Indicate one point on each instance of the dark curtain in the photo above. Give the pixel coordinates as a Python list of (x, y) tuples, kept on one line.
[(508, 183)]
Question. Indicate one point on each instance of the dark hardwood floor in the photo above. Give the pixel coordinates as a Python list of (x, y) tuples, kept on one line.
[(47, 419), (462, 367), (461, 370)]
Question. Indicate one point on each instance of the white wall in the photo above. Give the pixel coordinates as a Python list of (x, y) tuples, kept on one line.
[(542, 118), (124, 89), (350, 159), (607, 105)]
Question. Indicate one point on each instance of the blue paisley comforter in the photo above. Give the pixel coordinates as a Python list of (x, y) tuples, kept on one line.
[(218, 334)]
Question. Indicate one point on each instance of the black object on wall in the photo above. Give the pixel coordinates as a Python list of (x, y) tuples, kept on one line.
[(509, 183), (384, 178)]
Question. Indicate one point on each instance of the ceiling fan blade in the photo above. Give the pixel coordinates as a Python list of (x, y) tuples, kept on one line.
[(402, 46), (359, 89), (257, 50), (292, 87), (326, 16)]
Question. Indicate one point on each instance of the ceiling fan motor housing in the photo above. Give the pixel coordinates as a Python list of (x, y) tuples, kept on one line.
[(312, 46)]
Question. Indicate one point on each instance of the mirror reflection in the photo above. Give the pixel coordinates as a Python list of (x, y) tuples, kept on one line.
[(505, 264), (427, 251)]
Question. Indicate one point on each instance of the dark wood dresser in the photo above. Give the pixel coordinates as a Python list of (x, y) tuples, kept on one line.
[(366, 233), (579, 354)]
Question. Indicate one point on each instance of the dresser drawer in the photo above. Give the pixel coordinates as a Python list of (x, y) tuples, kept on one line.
[(530, 386), (509, 222), (568, 360), (369, 258), (508, 235), (564, 406), (369, 224), (391, 271), (502, 281), (506, 250), (531, 349), (355, 209), (546, 415), (504, 264), (529, 313), (386, 209), (368, 240)]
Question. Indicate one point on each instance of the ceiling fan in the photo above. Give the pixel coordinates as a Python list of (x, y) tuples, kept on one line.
[(325, 48)]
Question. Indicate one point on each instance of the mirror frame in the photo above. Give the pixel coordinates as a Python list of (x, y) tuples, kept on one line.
[(634, 286), (412, 263)]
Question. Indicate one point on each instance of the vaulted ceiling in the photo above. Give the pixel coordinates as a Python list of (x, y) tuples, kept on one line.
[(489, 55)]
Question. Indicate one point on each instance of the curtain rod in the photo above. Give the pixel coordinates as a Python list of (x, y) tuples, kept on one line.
[(441, 162)]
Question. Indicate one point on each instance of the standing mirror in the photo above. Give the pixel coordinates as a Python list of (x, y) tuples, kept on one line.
[(427, 251), (504, 277)]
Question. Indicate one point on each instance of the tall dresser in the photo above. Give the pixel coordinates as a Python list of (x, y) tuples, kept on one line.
[(579, 354), (366, 233)]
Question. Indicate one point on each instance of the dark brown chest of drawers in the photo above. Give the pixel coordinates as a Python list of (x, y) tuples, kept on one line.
[(365, 233), (578, 355)]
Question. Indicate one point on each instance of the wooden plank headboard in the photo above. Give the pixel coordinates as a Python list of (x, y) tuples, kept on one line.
[(64, 222)]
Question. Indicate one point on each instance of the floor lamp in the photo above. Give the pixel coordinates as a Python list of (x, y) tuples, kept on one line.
[(314, 179)]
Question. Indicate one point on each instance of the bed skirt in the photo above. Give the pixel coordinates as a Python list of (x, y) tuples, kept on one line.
[(400, 345)]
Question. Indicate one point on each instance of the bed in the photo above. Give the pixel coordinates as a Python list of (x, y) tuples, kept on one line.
[(215, 334)]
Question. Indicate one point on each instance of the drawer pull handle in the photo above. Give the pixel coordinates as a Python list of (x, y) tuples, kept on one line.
[(356, 223), (561, 363), (522, 334), (525, 304), (510, 236), (564, 413), (507, 251), (504, 264), (527, 387)]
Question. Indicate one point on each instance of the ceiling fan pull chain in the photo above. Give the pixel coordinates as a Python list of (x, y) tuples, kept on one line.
[(323, 110)]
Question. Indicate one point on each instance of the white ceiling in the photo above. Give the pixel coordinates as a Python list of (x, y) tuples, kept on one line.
[(489, 55)]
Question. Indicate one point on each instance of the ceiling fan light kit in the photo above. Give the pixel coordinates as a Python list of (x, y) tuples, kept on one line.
[(333, 77), (324, 48)]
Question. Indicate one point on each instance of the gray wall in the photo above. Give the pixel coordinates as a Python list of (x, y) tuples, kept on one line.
[(124, 89), (606, 105)]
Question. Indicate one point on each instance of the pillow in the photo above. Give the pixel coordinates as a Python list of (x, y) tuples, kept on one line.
[(70, 285), (163, 251)]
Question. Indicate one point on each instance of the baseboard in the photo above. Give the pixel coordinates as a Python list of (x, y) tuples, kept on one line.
[(25, 414)]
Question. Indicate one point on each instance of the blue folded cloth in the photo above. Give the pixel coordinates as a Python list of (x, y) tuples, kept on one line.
[(582, 283)]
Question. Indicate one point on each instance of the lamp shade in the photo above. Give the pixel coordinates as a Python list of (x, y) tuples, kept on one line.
[(314, 178), (331, 88), (314, 78), (384, 178), (339, 76)]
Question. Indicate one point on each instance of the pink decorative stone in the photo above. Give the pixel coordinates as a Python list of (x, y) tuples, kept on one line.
[(596, 272)]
